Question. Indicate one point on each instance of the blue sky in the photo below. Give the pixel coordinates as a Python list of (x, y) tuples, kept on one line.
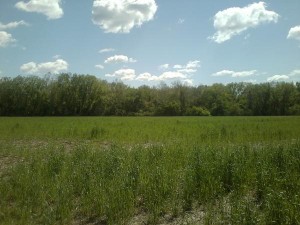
[(151, 41)]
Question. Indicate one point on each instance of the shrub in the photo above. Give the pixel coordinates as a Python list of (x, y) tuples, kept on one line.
[(197, 111)]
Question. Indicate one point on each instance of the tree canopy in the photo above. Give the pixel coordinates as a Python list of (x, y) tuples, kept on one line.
[(85, 95)]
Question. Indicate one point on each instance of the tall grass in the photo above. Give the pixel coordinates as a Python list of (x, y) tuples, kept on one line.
[(164, 130), (242, 182)]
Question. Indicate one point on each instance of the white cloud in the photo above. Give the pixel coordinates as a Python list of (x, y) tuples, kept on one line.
[(130, 74), (6, 39), (184, 76), (12, 25), (55, 67), (99, 67), (295, 73), (120, 16), (147, 77), (233, 21), (119, 59), (50, 8), (177, 66), (277, 78), (181, 72), (193, 64), (190, 68), (105, 50), (123, 74), (222, 73), (187, 71), (282, 77), (294, 33), (164, 67), (170, 75), (234, 74)]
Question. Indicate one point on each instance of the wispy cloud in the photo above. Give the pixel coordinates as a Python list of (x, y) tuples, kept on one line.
[(99, 66), (12, 25), (231, 73), (56, 57), (190, 68), (105, 50)]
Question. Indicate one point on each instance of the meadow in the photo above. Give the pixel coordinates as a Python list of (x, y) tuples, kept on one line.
[(149, 170)]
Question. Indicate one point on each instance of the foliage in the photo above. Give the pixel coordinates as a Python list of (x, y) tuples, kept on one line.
[(197, 111), (85, 95)]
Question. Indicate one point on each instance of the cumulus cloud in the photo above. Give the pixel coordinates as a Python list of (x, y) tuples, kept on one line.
[(123, 74), (294, 33), (101, 67), (233, 21), (278, 78), (50, 8), (181, 72), (147, 77), (283, 77), (13, 25), (6, 39), (169, 75), (130, 74), (119, 59), (234, 74), (105, 50), (120, 16), (193, 64), (55, 67)]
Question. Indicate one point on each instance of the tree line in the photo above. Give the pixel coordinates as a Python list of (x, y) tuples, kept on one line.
[(85, 95)]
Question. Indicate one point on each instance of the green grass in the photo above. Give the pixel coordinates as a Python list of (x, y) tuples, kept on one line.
[(91, 170)]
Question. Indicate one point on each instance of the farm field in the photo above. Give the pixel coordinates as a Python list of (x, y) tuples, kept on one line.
[(149, 170)]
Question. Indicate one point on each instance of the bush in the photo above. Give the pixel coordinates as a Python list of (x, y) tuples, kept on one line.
[(170, 109), (197, 111)]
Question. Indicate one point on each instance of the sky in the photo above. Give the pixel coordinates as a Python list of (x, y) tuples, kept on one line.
[(146, 42)]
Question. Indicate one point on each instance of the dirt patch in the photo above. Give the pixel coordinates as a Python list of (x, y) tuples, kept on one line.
[(194, 217), (7, 163)]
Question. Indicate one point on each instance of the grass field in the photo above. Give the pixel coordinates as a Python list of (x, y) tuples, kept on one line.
[(179, 170)]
